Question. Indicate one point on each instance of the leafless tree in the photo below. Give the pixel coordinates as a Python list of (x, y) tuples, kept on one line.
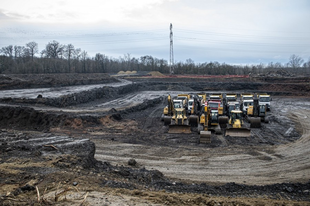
[(69, 52), (84, 57), (295, 61), (54, 50), (32, 49), (19, 51), (7, 51)]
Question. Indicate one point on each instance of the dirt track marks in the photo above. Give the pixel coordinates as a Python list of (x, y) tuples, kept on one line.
[(259, 165)]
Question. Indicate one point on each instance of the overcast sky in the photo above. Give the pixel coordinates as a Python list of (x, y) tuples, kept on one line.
[(231, 31)]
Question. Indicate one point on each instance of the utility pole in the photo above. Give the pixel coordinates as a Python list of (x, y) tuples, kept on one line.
[(171, 51)]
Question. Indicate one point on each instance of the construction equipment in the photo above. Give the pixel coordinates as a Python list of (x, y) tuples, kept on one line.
[(232, 105), (231, 97), (246, 96), (256, 113), (246, 101), (217, 97), (194, 110), (184, 98), (209, 121), (167, 114), (264, 99), (235, 126), (202, 97), (175, 115), (179, 122)]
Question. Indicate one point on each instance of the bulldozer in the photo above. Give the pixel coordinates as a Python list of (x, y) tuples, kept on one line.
[(235, 125), (256, 113)]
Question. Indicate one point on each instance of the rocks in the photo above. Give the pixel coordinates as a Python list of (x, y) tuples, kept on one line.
[(132, 162)]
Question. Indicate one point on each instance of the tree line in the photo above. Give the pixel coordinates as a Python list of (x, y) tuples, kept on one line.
[(60, 58)]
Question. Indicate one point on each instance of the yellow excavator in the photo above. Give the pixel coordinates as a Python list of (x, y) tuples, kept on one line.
[(209, 121), (256, 113), (235, 125)]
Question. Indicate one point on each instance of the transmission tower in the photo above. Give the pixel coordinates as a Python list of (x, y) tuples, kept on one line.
[(171, 51)]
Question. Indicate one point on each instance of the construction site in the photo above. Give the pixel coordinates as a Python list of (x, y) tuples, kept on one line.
[(154, 139)]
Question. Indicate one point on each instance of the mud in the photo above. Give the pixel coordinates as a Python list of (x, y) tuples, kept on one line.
[(81, 154), (22, 81)]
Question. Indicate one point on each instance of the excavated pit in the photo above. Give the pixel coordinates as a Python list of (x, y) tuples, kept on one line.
[(94, 133)]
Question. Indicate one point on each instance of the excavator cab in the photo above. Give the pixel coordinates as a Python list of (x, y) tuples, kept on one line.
[(214, 117)]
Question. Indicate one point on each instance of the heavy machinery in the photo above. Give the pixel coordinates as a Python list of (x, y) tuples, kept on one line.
[(264, 99), (209, 121), (246, 96), (256, 113), (246, 101), (168, 109), (231, 97), (175, 115), (179, 123), (217, 97), (184, 98), (232, 105), (194, 109), (202, 97), (235, 125)]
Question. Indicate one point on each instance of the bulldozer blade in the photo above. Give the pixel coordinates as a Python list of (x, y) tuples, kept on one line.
[(238, 132), (205, 137), (177, 129), (255, 122)]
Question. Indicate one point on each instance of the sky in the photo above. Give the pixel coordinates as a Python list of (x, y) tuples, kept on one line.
[(226, 31)]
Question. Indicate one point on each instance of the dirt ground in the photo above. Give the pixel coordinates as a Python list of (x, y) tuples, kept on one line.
[(114, 150)]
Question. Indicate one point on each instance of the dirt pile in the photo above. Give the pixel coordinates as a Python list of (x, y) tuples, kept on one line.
[(156, 74)]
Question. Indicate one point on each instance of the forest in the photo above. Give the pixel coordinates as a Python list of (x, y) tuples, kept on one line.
[(59, 58)]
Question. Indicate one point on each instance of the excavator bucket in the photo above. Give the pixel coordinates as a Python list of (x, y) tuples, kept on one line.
[(205, 137), (178, 129), (167, 120), (238, 132), (223, 120), (193, 120), (255, 122)]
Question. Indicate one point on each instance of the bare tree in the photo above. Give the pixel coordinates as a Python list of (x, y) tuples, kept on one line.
[(19, 51), (7, 51), (84, 57), (54, 50), (69, 52), (295, 61), (32, 49), (99, 62)]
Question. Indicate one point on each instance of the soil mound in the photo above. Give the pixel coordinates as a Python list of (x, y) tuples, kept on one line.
[(157, 74)]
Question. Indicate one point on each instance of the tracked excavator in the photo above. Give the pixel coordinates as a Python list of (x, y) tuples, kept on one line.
[(256, 113), (175, 115)]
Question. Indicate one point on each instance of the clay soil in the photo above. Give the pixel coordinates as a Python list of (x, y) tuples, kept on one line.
[(115, 150)]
